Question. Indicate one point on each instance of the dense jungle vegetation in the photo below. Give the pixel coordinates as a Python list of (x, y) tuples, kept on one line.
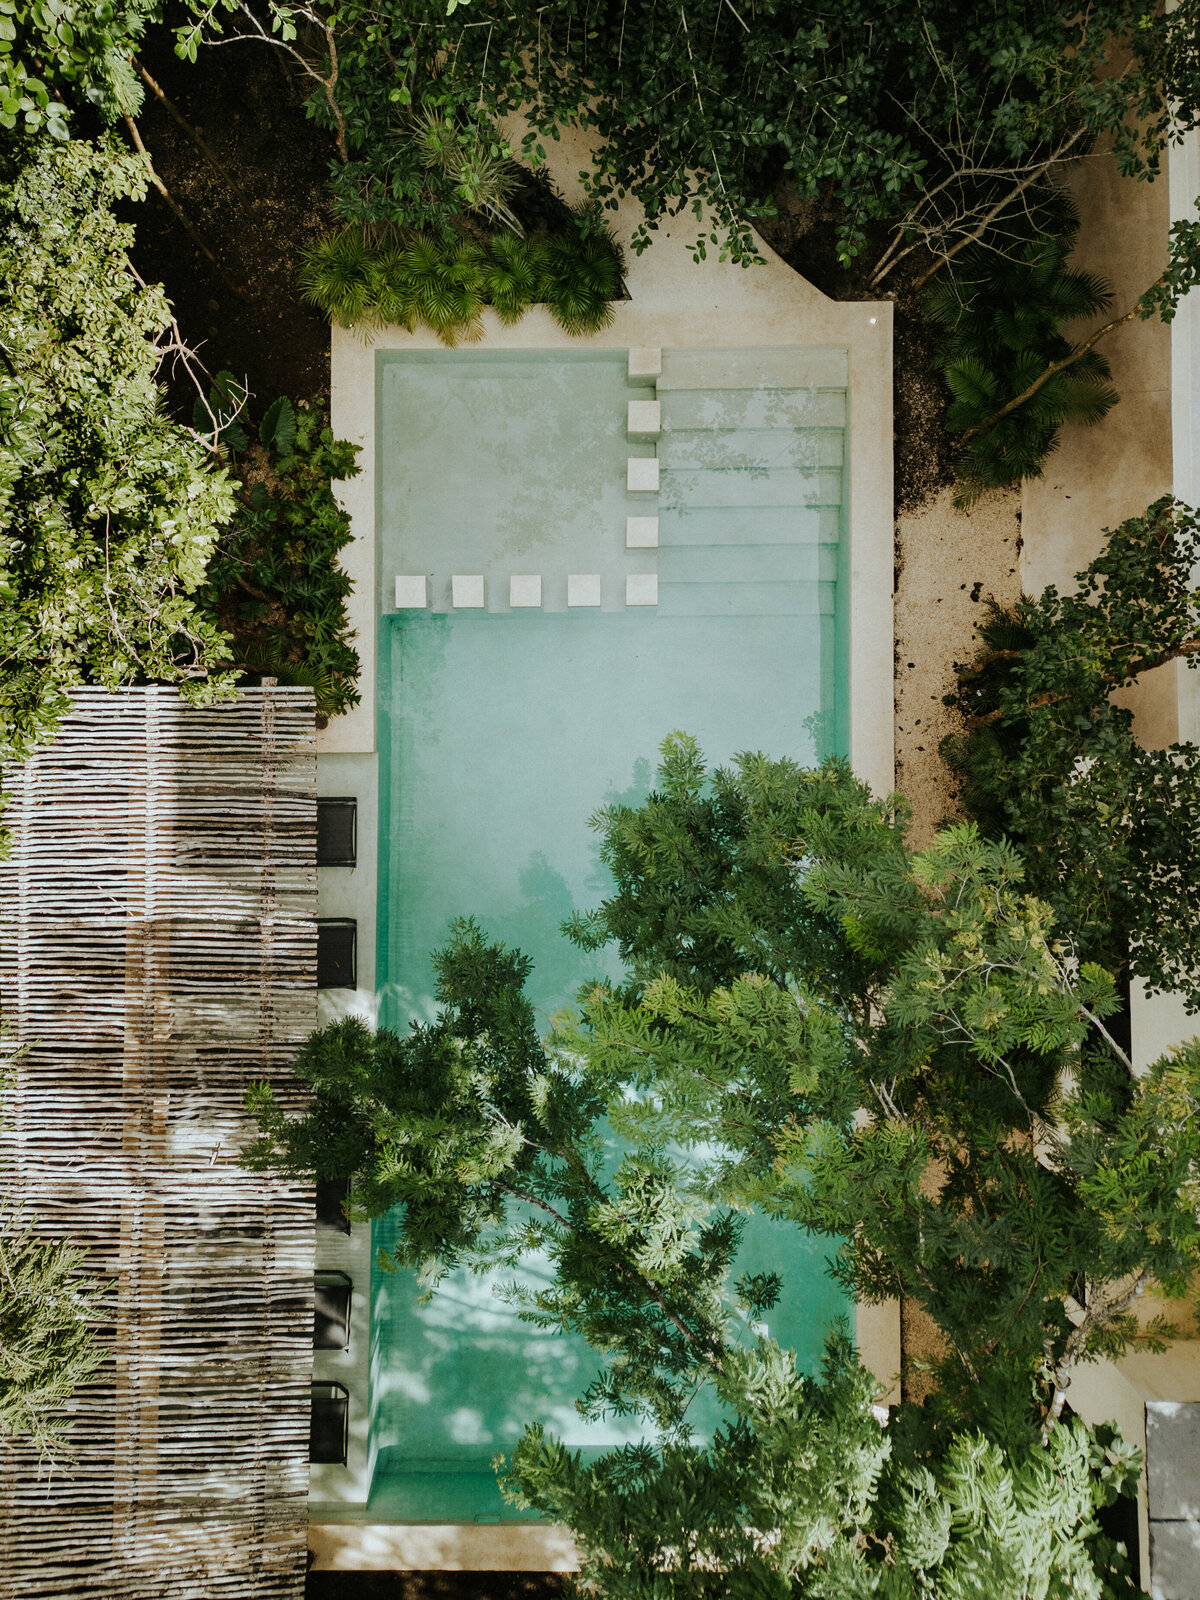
[(790, 959)]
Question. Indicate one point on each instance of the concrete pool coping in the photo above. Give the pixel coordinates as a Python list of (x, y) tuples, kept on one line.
[(673, 303), (678, 304)]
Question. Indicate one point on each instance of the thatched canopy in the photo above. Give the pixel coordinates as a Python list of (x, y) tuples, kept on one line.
[(157, 951)]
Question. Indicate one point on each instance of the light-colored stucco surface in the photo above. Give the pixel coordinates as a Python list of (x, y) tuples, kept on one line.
[(675, 302), (1100, 475)]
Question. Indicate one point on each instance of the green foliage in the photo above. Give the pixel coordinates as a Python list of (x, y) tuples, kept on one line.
[(706, 107), (1109, 830), (47, 1342), (52, 51), (786, 1480), (219, 415), (47, 1316), (445, 283), (494, 1149), (108, 511), (274, 583), (930, 987), (802, 1494), (1003, 312), (789, 962), (1182, 272)]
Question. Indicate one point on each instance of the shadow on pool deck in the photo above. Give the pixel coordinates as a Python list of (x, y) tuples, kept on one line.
[(432, 1586)]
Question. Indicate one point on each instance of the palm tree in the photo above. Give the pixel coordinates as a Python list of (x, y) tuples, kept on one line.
[(1002, 313)]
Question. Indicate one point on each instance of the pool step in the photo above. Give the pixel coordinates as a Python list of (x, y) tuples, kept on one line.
[(747, 563), (746, 599), (751, 461), (746, 525), (754, 369), (751, 449), (707, 489), (718, 409)]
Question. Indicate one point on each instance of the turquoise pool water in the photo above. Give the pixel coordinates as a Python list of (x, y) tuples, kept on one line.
[(501, 731)]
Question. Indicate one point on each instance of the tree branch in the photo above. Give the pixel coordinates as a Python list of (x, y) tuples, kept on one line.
[(178, 211), (1077, 1342), (1044, 377), (1185, 648), (193, 133)]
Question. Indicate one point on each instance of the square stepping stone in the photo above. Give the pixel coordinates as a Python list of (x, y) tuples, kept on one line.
[(583, 589), (641, 588), (641, 475), (466, 591), (525, 589), (412, 592), (645, 362), (644, 418), (641, 533)]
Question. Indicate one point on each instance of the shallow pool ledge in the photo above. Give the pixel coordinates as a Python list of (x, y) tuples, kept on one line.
[(439, 1547)]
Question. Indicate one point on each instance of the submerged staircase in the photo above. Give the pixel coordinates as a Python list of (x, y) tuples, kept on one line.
[(750, 503)]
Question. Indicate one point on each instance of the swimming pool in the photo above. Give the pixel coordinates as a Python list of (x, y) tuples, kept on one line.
[(502, 727)]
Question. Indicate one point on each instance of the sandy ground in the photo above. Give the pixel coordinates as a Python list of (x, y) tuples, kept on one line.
[(949, 563)]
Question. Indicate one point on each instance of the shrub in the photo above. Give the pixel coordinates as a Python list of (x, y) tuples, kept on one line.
[(47, 1336), (274, 583), (1003, 313), (1110, 831), (446, 282), (108, 510)]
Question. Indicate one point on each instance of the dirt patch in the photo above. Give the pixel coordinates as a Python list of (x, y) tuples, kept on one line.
[(949, 563), (249, 109)]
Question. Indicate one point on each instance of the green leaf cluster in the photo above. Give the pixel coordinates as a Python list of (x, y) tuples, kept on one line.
[(274, 584), (444, 283), (899, 1051), (1002, 310), (48, 1315), (108, 511), (707, 107), (1109, 830), (58, 51), (48, 1312)]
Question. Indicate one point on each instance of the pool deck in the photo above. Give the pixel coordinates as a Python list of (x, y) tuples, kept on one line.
[(677, 303), (674, 303)]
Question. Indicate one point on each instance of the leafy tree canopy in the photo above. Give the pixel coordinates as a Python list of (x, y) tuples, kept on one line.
[(930, 118), (1109, 830), (108, 511), (790, 963), (55, 53)]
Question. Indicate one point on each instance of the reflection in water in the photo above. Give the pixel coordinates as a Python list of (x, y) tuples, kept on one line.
[(501, 736)]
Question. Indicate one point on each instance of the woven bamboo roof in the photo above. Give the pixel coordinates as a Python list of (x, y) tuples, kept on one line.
[(157, 951)]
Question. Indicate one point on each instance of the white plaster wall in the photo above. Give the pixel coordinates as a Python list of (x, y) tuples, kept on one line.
[(1160, 1021)]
